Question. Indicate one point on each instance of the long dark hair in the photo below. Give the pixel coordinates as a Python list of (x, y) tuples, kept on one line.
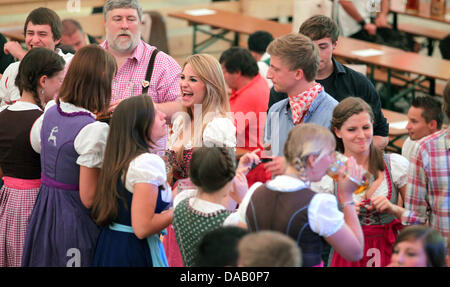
[(37, 62), (128, 138), (342, 112)]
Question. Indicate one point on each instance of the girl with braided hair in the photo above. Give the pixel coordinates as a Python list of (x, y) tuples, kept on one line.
[(39, 78), (288, 205), (199, 211)]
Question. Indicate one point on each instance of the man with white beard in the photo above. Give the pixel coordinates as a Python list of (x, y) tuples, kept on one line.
[(123, 19)]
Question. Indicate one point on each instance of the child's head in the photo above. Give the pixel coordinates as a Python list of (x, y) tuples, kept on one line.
[(218, 248), (307, 145), (88, 81), (269, 249), (211, 168), (418, 246)]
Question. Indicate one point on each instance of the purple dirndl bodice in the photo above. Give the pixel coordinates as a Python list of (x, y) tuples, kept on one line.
[(60, 231)]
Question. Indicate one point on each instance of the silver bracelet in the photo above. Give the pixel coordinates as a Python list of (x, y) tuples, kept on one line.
[(351, 202)]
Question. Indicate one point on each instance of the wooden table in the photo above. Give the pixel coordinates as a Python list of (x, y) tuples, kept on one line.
[(228, 22), (393, 59), (427, 68), (14, 33), (424, 12)]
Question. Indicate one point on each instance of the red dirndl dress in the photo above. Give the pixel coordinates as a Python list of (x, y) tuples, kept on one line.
[(378, 237), (179, 171)]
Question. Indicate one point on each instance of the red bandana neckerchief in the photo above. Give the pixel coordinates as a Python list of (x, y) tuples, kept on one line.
[(300, 104)]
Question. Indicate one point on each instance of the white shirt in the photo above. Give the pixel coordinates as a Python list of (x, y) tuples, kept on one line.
[(8, 90), (324, 216), (204, 205), (220, 132), (399, 176), (148, 168), (263, 68), (90, 142), (20, 106), (408, 147), (347, 24)]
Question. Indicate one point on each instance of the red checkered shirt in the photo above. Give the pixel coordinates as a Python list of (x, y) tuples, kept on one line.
[(165, 81), (428, 191), (164, 84)]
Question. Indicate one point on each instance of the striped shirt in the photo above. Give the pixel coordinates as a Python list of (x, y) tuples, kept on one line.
[(428, 190), (164, 84)]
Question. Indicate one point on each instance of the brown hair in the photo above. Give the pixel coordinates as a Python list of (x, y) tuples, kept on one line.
[(128, 138), (432, 240), (342, 112), (211, 168), (70, 26), (88, 81), (298, 52), (45, 16), (37, 63), (319, 27)]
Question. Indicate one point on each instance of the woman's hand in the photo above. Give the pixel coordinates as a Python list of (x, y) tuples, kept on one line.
[(382, 204), (349, 173), (240, 187), (246, 162), (277, 166)]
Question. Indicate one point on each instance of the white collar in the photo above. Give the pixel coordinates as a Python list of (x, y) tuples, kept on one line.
[(23, 106), (286, 183)]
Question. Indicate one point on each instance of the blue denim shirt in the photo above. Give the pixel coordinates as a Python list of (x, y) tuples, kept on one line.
[(279, 119)]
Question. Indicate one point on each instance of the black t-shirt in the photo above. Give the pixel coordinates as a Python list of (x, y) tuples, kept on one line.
[(5, 60), (345, 82)]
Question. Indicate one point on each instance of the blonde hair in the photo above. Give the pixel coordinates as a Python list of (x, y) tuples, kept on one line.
[(215, 101), (298, 52), (304, 140), (269, 249)]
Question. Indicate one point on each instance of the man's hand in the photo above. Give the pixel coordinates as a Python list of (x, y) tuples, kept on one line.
[(277, 166), (14, 49), (370, 28)]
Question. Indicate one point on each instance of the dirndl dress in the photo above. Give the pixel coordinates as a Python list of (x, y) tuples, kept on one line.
[(60, 232)]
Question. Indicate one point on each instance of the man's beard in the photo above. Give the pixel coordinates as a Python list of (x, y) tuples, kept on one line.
[(121, 45)]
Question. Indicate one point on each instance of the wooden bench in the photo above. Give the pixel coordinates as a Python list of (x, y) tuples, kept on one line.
[(380, 75), (431, 34)]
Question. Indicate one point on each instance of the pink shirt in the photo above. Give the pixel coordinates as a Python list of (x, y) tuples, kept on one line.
[(165, 81), (164, 84)]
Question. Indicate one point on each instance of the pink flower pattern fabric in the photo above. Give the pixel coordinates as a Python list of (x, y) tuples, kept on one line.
[(300, 104)]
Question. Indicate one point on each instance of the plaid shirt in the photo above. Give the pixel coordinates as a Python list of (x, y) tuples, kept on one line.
[(165, 81), (428, 194), (164, 84)]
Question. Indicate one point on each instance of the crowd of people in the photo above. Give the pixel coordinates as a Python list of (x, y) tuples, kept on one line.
[(112, 154)]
